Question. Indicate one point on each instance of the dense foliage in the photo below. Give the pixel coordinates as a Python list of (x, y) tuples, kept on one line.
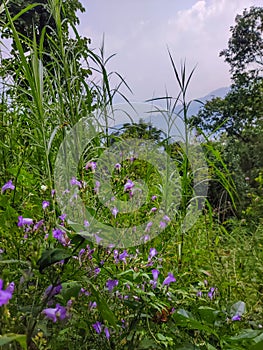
[(199, 288)]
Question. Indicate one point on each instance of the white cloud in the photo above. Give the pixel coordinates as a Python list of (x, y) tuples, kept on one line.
[(139, 32)]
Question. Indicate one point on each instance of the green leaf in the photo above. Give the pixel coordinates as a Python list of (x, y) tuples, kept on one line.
[(70, 289), (184, 319), (103, 308), (9, 338), (51, 256), (259, 343), (238, 308)]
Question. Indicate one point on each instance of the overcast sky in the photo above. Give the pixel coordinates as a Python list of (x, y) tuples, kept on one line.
[(139, 32)]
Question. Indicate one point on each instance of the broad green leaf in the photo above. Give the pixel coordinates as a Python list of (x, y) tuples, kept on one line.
[(184, 319), (238, 308), (259, 343), (70, 289), (9, 338), (51, 256)]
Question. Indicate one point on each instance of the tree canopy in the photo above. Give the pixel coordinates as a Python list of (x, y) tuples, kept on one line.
[(245, 46)]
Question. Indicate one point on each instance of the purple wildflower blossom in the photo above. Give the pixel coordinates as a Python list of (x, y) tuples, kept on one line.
[(97, 238), (152, 253), (54, 313), (97, 327), (236, 318), (60, 236), (169, 279), (114, 212), (97, 187), (211, 293), (74, 181), (117, 166), (63, 217), (24, 221), (6, 295), (107, 332), (154, 197), (92, 305), (123, 256), (86, 223), (155, 274), (110, 284), (51, 291), (148, 226), (38, 225), (162, 224), (166, 218), (91, 165), (45, 204), (8, 186), (153, 210), (129, 185)]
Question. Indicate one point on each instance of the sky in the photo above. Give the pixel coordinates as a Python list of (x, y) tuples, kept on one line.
[(140, 32)]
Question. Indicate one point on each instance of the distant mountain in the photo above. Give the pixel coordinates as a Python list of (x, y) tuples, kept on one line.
[(172, 125)]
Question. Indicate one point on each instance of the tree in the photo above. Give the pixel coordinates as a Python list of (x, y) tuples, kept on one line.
[(42, 26), (236, 120), (39, 15), (236, 114), (245, 47), (242, 108)]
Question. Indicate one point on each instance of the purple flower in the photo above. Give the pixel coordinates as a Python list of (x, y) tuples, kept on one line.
[(97, 238), (82, 251), (211, 293), (61, 236), (96, 271), (152, 253), (117, 166), (97, 187), (162, 224), (199, 294), (63, 217), (114, 212), (45, 204), (8, 186), (154, 197), (24, 221), (145, 238), (236, 318), (54, 313), (155, 274), (97, 327), (169, 279), (6, 295), (107, 333), (129, 185), (91, 165), (123, 256), (74, 181), (86, 223), (166, 218), (38, 225), (92, 305), (51, 291), (148, 226), (153, 210), (53, 193), (110, 284)]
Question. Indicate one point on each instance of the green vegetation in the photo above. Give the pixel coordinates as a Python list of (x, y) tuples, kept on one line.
[(182, 286)]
